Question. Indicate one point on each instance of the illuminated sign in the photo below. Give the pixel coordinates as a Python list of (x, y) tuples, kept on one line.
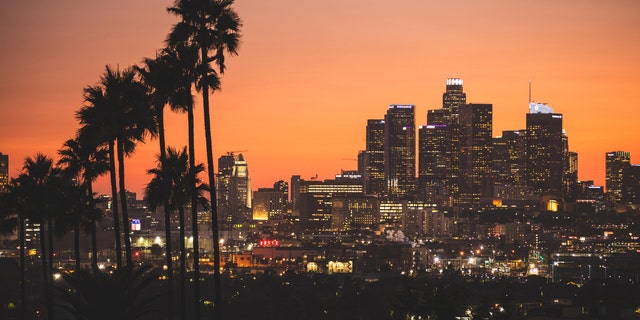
[(454, 82), (135, 224), (401, 106), (269, 243)]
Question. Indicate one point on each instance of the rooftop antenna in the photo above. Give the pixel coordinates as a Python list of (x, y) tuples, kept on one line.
[(529, 91)]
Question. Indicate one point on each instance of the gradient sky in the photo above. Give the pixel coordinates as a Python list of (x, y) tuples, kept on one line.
[(310, 73)]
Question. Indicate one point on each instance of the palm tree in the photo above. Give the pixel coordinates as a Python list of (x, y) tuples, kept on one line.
[(98, 123), (176, 172), (83, 160), (167, 82), (120, 106), (214, 27), (39, 187)]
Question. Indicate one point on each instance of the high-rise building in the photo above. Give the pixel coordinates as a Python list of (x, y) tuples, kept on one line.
[(476, 125), (240, 184), (631, 184), (233, 189), (432, 158), (400, 150), (354, 212), (268, 203), (452, 99), (544, 151), (374, 157), (570, 180), (225, 169), (616, 163), (4, 171), (313, 199), (508, 158)]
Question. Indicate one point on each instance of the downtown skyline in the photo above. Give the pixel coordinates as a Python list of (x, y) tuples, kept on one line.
[(300, 92)]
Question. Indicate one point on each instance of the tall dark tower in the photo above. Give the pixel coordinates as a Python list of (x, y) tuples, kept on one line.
[(223, 185), (616, 163), (544, 151), (452, 99), (432, 157), (400, 150), (509, 158), (374, 158), (476, 142)]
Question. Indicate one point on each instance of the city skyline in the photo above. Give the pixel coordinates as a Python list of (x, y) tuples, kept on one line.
[(318, 76)]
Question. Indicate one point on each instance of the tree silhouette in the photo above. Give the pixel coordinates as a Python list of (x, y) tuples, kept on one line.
[(119, 113), (213, 27)]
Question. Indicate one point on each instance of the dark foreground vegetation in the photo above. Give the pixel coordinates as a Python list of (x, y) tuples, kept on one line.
[(141, 294)]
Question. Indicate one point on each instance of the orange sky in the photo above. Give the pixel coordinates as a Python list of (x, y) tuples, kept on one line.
[(310, 73)]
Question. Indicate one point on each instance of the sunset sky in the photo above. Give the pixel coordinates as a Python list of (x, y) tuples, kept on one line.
[(310, 73)]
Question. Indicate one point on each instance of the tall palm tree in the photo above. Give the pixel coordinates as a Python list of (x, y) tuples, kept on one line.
[(214, 27), (183, 183), (167, 83), (39, 187), (98, 123), (126, 120), (83, 160)]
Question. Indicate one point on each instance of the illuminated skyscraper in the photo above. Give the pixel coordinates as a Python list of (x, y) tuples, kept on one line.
[(225, 169), (452, 99), (476, 141), (374, 157), (544, 151), (508, 158), (616, 163), (400, 150), (432, 157), (4, 171), (240, 185)]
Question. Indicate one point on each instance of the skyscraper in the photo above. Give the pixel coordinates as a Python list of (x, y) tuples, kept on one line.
[(452, 99), (432, 157), (476, 141), (225, 169), (508, 158), (374, 157), (544, 151), (4, 171), (616, 162), (400, 150), (240, 185)]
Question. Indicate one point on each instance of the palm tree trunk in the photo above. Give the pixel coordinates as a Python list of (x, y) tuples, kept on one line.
[(123, 200), (23, 291), (183, 268), (217, 288), (114, 203), (43, 259), (167, 210), (194, 216), (76, 243), (94, 237)]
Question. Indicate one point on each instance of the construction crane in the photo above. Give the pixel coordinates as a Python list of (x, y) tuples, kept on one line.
[(233, 152)]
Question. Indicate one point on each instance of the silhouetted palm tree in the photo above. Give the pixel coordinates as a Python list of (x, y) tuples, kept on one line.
[(167, 84), (181, 180), (214, 27), (39, 186), (127, 118), (82, 159)]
